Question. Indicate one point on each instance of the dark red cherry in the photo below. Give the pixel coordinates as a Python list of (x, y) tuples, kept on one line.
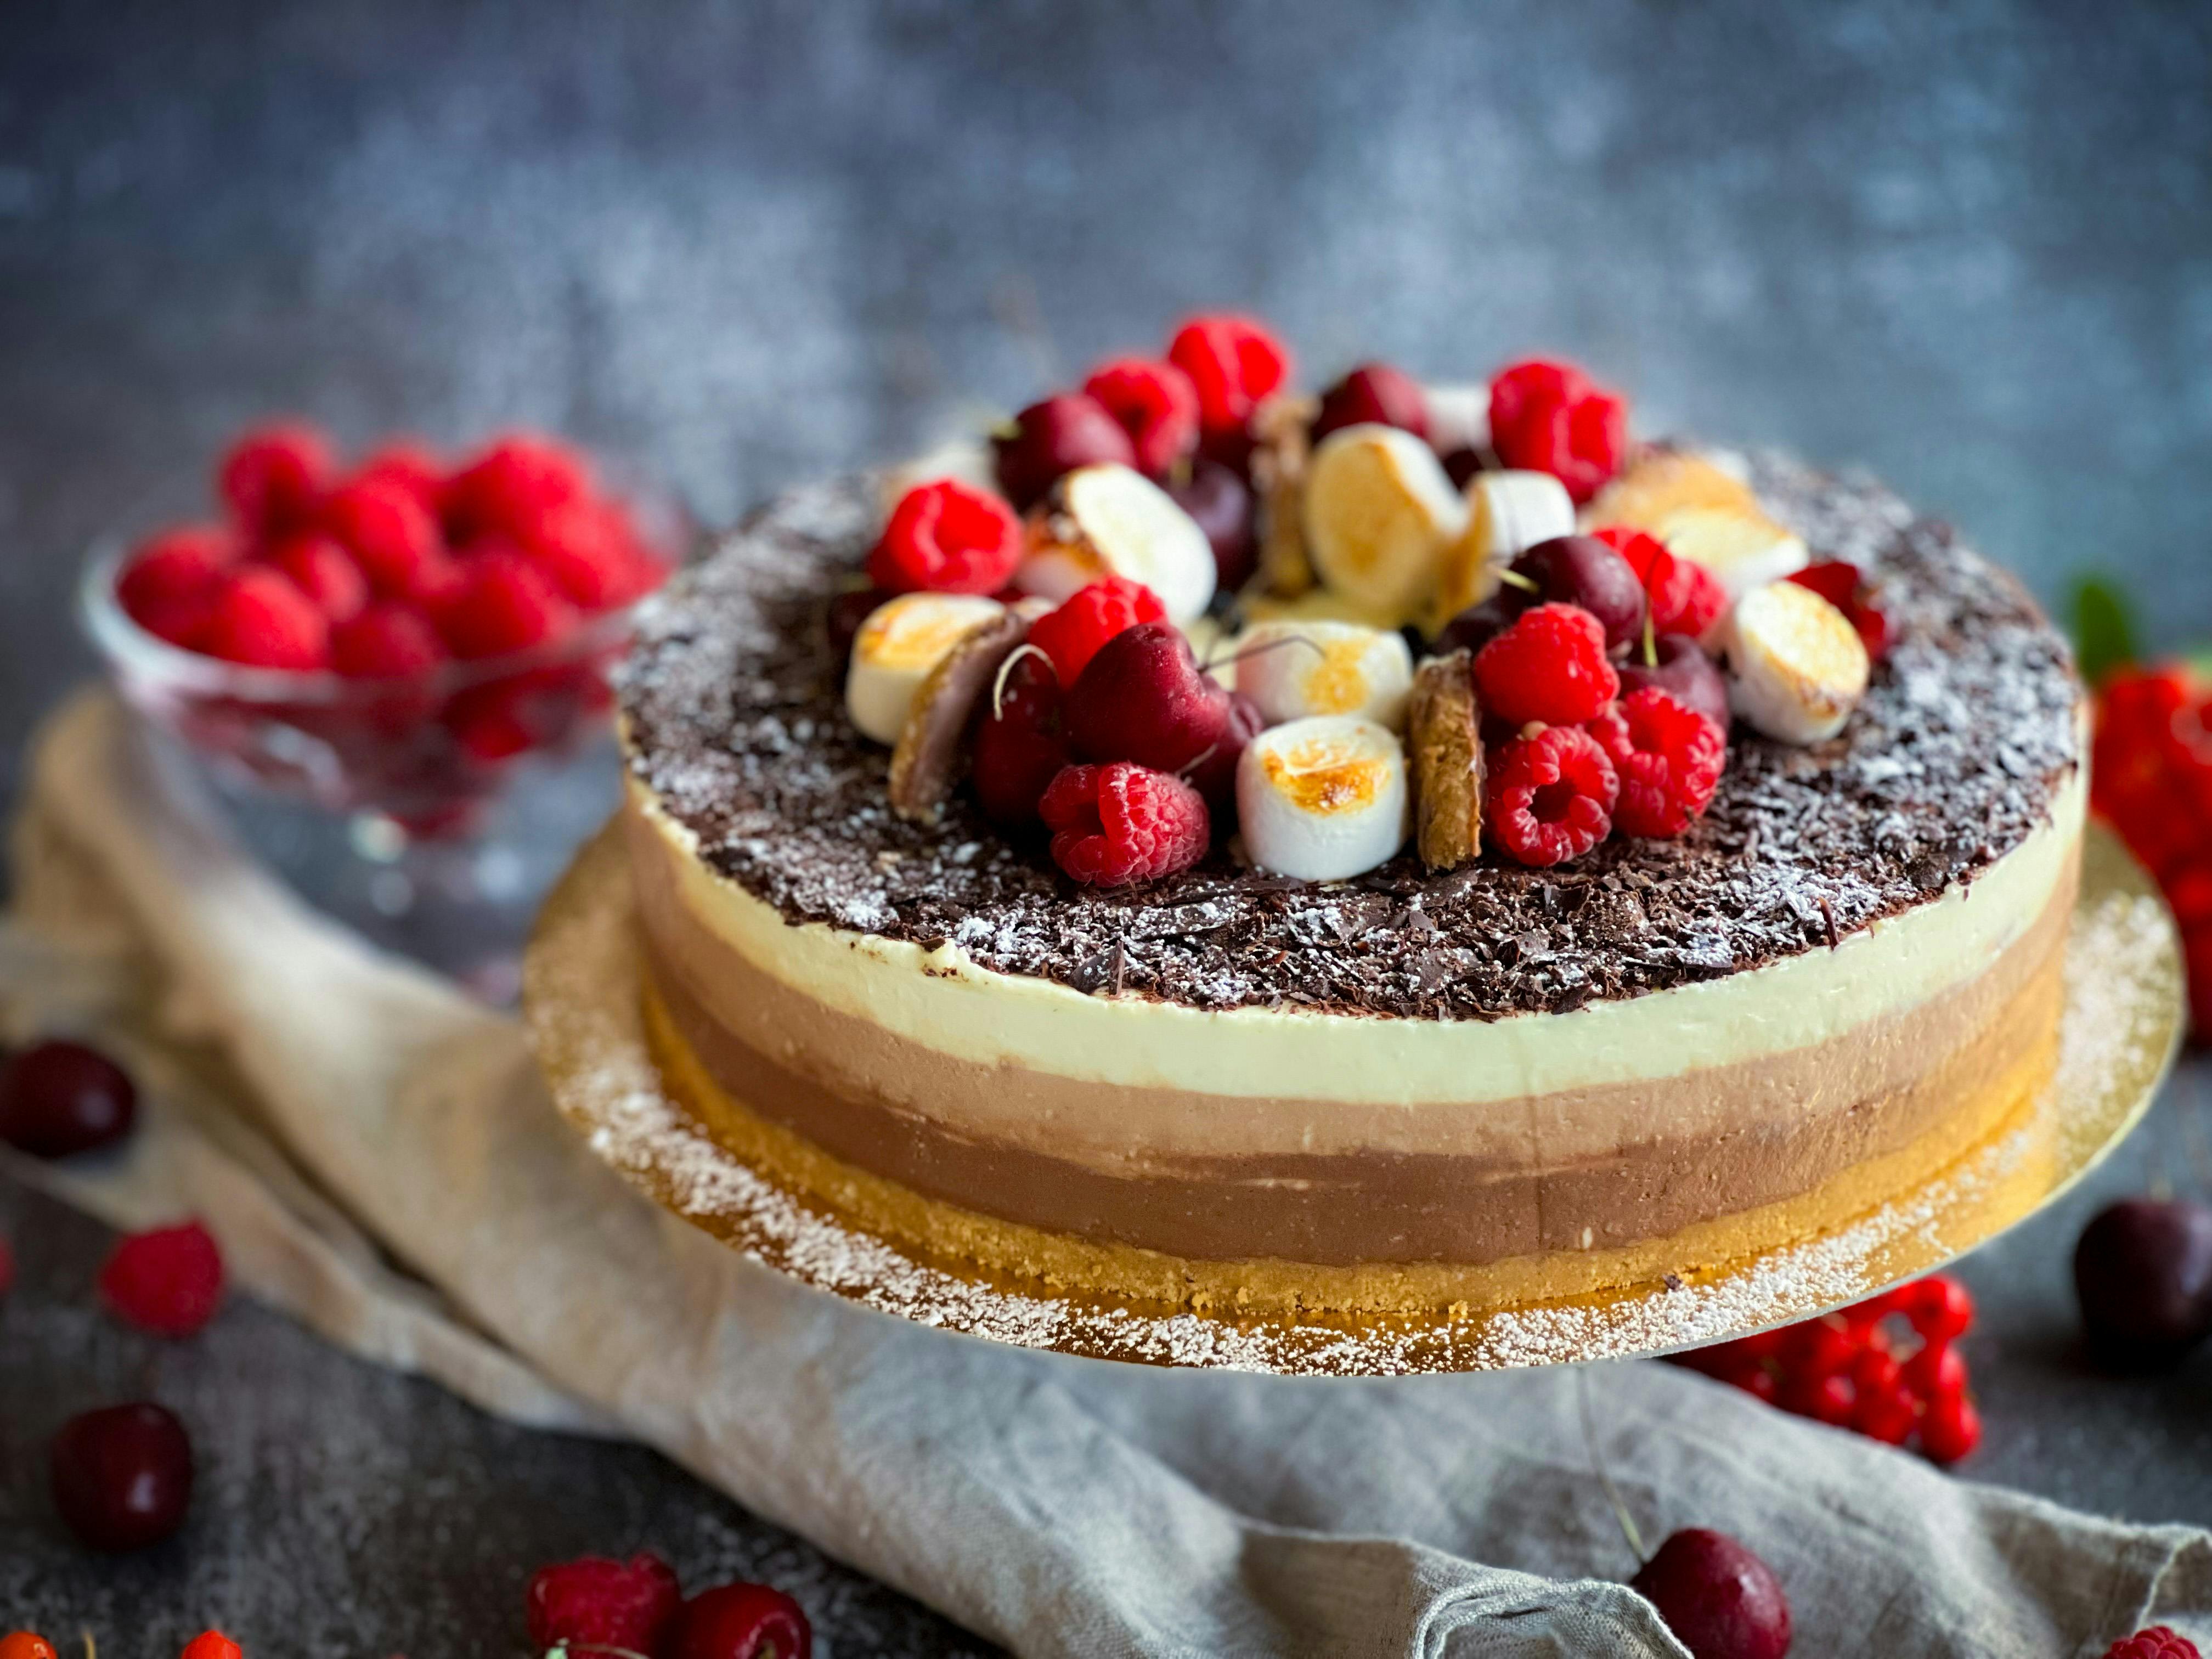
[(1220, 501), (1213, 775), (2143, 1271), (1054, 437), (1581, 570), (1143, 698), (1478, 624), (1684, 672), (1373, 394), (740, 1621), (122, 1477), (1720, 1600), (1021, 742), (1460, 464), (58, 1097)]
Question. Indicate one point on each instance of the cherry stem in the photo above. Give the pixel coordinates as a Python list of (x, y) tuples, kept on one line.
[(564, 1647), (90, 1651), (999, 684), (1213, 662), (1611, 1493), (1650, 641), (1515, 578)]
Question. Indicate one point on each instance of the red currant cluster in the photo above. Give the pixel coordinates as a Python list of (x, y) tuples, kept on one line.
[(637, 1607), (1888, 1368), (2150, 777)]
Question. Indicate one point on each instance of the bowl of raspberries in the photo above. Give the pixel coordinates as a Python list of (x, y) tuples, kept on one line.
[(392, 637)]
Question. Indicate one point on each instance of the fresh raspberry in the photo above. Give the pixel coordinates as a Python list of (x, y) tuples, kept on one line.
[(391, 532), (2189, 896), (1547, 417), (1021, 743), (168, 1281), (323, 571), (1156, 404), (259, 617), (1235, 364), (1843, 585), (506, 604), (492, 724), (947, 537), (592, 554), (2158, 1642), (1090, 617), (1684, 597), (1552, 795), (387, 640), (1950, 1428), (1670, 757), (741, 1621), (1550, 665), (411, 465), (511, 483), (212, 1644), (274, 476), (618, 1604), (167, 586), (1117, 824)]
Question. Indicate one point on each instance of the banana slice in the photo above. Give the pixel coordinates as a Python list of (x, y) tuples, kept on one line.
[(1443, 737), (1797, 666), (901, 642), (1112, 519), (1294, 669), (1322, 799), (1508, 513), (1659, 482), (1379, 513), (1745, 550)]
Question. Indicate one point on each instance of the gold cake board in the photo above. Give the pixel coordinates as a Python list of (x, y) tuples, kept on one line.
[(2124, 1020)]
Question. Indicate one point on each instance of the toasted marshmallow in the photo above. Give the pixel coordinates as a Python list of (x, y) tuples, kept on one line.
[(1379, 511), (1745, 550), (1660, 482), (901, 642), (1508, 513), (1110, 520), (1294, 669), (1322, 799), (1797, 666), (1458, 416)]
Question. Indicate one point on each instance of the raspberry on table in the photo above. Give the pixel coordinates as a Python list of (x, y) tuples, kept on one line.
[(1669, 759), (387, 640), (506, 604), (392, 534), (169, 1280), (947, 537), (630, 1604), (1072, 634), (260, 618), (1157, 405), (1684, 597), (1552, 795), (1547, 417), (510, 483), (592, 554), (1234, 363), (168, 582), (323, 571), (1550, 665), (1121, 822), (2158, 1642), (273, 476)]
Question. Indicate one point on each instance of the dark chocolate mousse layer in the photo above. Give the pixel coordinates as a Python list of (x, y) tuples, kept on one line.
[(733, 701)]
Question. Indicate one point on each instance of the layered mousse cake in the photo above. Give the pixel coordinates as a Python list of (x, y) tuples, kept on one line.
[(1489, 859)]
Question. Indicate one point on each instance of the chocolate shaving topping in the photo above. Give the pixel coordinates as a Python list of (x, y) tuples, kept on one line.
[(736, 721)]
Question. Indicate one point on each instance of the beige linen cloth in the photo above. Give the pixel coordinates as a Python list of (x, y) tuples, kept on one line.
[(378, 1157)]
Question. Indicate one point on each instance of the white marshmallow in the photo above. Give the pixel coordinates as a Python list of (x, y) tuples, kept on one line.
[(1110, 520), (901, 642), (1458, 416), (1797, 666), (1324, 799), (1294, 669), (1379, 511), (1745, 550), (1508, 513)]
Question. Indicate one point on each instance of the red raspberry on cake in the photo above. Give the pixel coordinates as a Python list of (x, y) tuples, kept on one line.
[(1550, 665), (393, 535), (1552, 795), (1668, 758), (947, 537), (1547, 417), (2158, 1642), (1090, 617), (593, 1602), (261, 619), (387, 640), (1235, 364), (1682, 595), (168, 583), (274, 476), (168, 1281), (518, 477), (1843, 585), (1157, 406), (1119, 824), (323, 571), (506, 604)]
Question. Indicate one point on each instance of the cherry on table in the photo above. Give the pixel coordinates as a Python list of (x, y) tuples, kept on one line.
[(58, 1097), (741, 1621), (122, 1476), (1720, 1600), (2142, 1272)]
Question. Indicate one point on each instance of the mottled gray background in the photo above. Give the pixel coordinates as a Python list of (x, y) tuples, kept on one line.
[(740, 245)]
